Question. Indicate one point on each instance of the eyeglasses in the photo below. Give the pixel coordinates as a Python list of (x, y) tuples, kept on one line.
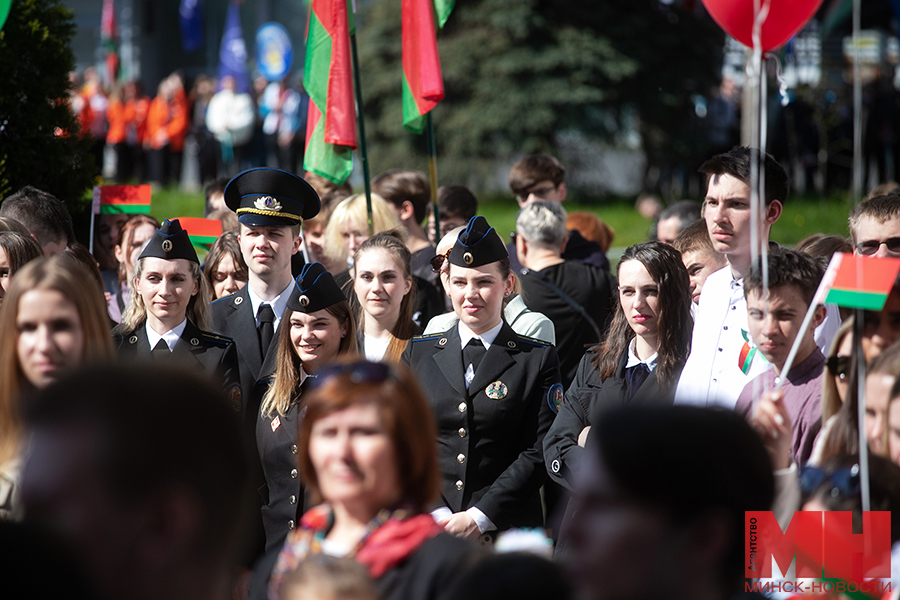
[(870, 247), (838, 366), (438, 261), (360, 372), (844, 481), (541, 192)]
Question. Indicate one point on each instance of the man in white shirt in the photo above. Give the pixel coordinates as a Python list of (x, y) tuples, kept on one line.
[(723, 358)]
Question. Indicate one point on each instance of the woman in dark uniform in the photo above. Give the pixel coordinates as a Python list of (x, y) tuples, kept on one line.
[(641, 358), (321, 328), (491, 391), (168, 317)]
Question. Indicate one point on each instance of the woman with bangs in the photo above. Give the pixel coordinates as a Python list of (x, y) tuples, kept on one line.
[(367, 453), (641, 358), (321, 330), (136, 232), (168, 318), (52, 320)]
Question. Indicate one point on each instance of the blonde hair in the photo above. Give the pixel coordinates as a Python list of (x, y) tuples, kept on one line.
[(64, 275), (283, 390), (197, 309), (393, 243), (353, 210)]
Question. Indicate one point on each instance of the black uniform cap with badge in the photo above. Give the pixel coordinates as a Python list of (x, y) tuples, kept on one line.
[(477, 245), (314, 289), (170, 242), (267, 197)]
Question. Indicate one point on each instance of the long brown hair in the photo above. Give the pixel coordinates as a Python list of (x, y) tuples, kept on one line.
[(674, 320), (405, 327), (126, 232), (66, 276), (284, 388)]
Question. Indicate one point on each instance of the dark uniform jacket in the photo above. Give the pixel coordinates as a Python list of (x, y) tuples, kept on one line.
[(213, 355), (490, 437), (233, 317), (283, 496), (585, 402)]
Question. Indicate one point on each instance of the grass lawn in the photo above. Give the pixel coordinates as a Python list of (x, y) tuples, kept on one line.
[(801, 216)]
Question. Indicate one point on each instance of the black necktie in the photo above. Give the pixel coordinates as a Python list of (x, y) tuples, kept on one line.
[(161, 351), (473, 353), (635, 376), (266, 328)]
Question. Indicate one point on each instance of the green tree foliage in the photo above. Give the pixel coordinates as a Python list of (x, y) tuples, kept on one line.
[(518, 72), (39, 136)]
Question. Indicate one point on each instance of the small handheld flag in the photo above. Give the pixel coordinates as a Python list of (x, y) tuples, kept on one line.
[(203, 232), (118, 199)]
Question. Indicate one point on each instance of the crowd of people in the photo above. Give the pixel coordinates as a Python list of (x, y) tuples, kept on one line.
[(229, 129), (343, 404)]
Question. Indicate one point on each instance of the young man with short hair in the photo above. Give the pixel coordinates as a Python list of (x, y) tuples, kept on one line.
[(875, 226), (456, 207), (408, 194), (774, 321), (44, 215), (700, 258), (721, 361)]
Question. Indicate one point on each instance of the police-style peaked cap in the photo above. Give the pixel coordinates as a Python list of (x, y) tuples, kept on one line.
[(271, 197), (478, 244), (314, 289), (170, 242)]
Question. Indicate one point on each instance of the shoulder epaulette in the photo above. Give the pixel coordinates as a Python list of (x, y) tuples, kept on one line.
[(217, 339), (534, 341), (425, 338), (222, 299)]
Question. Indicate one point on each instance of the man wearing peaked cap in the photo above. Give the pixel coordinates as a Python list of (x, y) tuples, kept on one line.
[(271, 197), (169, 312)]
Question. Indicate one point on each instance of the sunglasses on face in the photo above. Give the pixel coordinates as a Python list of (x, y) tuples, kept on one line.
[(838, 366), (360, 372), (438, 261), (870, 247), (844, 482)]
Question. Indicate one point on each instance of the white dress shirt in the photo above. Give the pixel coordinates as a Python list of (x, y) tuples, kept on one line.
[(171, 336), (278, 304)]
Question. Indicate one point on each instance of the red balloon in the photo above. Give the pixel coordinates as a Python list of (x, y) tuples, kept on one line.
[(785, 18)]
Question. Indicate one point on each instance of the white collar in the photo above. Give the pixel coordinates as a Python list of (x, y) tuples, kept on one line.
[(487, 338), (171, 336), (633, 359), (278, 304)]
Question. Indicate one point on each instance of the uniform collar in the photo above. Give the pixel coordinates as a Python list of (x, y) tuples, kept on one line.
[(487, 338), (633, 359), (171, 337), (278, 304)]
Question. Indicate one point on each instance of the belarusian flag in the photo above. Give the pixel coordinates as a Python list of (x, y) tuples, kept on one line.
[(108, 35), (327, 77), (118, 199), (858, 281), (423, 84), (203, 232)]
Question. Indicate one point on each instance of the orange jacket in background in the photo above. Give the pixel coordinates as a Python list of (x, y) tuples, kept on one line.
[(169, 117)]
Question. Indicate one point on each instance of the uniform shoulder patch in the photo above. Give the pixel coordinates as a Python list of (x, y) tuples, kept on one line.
[(533, 341), (233, 395), (555, 397)]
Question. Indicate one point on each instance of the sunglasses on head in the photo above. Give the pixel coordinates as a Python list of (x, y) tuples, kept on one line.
[(838, 366), (438, 261), (870, 247), (844, 482), (360, 372)]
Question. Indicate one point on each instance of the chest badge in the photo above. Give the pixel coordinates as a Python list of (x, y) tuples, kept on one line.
[(276, 423), (496, 390)]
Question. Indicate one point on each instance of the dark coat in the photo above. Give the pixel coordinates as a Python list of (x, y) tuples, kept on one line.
[(283, 496), (585, 402), (490, 449), (233, 317), (213, 355)]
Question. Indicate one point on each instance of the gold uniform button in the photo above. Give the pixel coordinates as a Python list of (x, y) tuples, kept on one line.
[(293, 499), (459, 484), (460, 458), (462, 432), (293, 448), (291, 524), (294, 473), (462, 407)]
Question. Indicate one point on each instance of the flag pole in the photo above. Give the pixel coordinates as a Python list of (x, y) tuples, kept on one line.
[(432, 176), (364, 155)]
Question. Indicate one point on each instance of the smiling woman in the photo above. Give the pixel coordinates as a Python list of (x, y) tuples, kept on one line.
[(53, 319)]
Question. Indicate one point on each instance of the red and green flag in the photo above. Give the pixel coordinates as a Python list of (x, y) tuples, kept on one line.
[(328, 79), (117, 199), (108, 35), (858, 281), (423, 84), (203, 232)]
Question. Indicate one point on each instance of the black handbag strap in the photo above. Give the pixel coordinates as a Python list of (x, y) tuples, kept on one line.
[(568, 299)]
